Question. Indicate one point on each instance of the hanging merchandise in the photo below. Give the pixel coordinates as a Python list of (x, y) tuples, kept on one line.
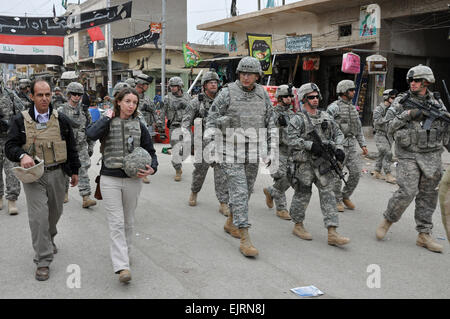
[(311, 63), (351, 63)]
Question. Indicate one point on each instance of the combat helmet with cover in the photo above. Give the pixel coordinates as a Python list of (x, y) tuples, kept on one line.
[(420, 72), (249, 64), (345, 85), (176, 81), (210, 76), (306, 89), (136, 160), (30, 175), (75, 87), (119, 87)]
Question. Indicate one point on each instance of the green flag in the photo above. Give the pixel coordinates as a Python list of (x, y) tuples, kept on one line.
[(191, 57)]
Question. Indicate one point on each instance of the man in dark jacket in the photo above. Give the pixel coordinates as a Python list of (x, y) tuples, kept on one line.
[(42, 134)]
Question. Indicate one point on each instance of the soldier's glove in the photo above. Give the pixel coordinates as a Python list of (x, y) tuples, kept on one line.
[(340, 155), (416, 114), (282, 121), (316, 149)]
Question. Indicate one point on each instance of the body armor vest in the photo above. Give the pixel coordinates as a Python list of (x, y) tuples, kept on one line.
[(176, 109), (381, 128), (348, 119), (123, 137), (286, 112), (76, 115), (44, 139)]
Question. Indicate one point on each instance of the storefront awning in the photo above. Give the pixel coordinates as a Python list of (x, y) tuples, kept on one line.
[(331, 48)]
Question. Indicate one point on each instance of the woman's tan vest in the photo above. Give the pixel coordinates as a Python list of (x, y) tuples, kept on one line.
[(44, 139)]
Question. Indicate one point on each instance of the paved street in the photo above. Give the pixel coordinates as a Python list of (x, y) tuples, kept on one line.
[(183, 252)]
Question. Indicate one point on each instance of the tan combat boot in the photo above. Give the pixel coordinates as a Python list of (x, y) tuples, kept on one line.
[(145, 180), (230, 228), (383, 229), (66, 197), (193, 199), (425, 240), (178, 175), (340, 207), (269, 199), (335, 239), (390, 179), (246, 247), (224, 209), (348, 203), (283, 214), (124, 276), (301, 232), (377, 174), (12, 208), (87, 202)]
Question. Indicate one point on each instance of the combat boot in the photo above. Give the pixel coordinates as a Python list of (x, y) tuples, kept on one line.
[(383, 229), (335, 239), (340, 207), (246, 247), (377, 174), (301, 232), (12, 208), (66, 197), (283, 214), (145, 180), (224, 209), (230, 228), (348, 203), (390, 179), (87, 202), (178, 175), (193, 199), (124, 276), (425, 240), (269, 199)]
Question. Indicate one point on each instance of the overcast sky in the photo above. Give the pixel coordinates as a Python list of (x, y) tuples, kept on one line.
[(198, 12)]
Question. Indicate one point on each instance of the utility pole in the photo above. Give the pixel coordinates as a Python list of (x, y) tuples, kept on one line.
[(259, 5), (108, 30), (163, 50)]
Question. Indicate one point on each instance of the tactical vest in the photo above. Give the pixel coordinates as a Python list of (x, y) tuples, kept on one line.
[(144, 105), (175, 109), (287, 113), (347, 119), (123, 137), (77, 115), (44, 139), (413, 138), (247, 109)]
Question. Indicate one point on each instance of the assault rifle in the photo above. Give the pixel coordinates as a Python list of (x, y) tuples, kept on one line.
[(328, 152), (431, 111)]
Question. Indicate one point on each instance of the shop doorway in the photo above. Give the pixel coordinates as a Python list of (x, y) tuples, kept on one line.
[(400, 83)]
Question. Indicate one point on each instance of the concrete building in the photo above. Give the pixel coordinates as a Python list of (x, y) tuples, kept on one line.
[(407, 32)]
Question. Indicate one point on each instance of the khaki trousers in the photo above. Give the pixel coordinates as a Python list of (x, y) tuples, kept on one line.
[(120, 197)]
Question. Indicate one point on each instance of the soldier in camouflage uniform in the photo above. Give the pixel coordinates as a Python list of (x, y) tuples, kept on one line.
[(10, 105), (242, 105), (58, 99), (382, 141), (419, 149), (308, 166), (199, 110), (282, 115), (24, 92), (176, 102), (146, 106), (347, 117), (79, 118)]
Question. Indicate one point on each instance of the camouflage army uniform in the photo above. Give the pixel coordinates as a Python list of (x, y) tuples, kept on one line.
[(347, 118), (80, 119), (27, 102), (304, 166), (58, 100), (419, 167), (148, 109), (7, 111), (200, 110), (384, 145), (174, 108), (281, 182), (244, 109)]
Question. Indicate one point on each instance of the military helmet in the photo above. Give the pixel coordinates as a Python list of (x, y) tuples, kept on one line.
[(56, 88), (136, 160), (119, 87), (144, 79), (389, 93), (344, 86), (249, 64), (420, 72), (283, 91), (131, 82), (75, 87), (306, 89), (210, 76), (32, 174), (23, 83), (176, 81)]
